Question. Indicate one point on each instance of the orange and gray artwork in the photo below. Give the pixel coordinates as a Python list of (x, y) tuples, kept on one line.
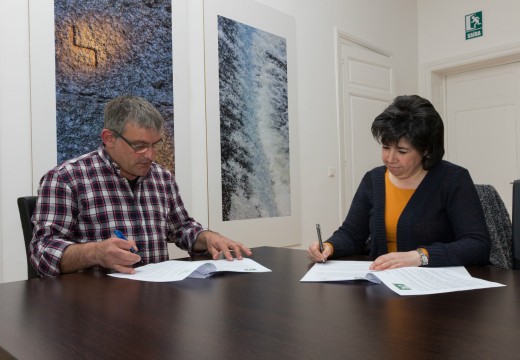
[(107, 48)]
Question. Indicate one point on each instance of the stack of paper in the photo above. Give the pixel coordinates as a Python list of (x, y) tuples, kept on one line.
[(175, 270), (404, 281)]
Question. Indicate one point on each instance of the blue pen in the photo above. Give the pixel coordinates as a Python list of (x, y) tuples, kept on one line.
[(120, 235)]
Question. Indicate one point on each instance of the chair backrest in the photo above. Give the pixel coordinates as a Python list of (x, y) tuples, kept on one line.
[(26, 205), (499, 226), (516, 224)]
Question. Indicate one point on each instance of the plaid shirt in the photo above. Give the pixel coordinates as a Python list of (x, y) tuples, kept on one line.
[(85, 199)]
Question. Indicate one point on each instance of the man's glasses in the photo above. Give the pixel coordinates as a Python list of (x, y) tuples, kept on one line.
[(140, 147)]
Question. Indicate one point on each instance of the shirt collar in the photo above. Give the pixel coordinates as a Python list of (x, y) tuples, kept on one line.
[(103, 154)]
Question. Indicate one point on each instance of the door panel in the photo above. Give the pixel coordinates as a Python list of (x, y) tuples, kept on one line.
[(483, 125), (365, 152), (367, 87)]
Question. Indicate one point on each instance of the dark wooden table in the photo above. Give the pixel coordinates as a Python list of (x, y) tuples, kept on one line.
[(255, 316)]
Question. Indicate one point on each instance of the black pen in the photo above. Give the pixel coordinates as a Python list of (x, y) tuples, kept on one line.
[(120, 235), (318, 229)]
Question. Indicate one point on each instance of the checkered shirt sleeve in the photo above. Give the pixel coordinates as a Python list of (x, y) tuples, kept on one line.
[(86, 199)]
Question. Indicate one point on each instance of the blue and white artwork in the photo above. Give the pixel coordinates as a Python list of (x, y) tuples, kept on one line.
[(254, 122)]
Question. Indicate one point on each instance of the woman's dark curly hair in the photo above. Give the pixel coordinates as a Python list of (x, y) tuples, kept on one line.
[(415, 119)]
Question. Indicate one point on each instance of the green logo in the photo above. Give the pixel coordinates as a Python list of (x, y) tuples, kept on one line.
[(474, 25), (401, 286)]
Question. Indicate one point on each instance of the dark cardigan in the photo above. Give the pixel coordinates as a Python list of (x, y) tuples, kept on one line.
[(444, 216)]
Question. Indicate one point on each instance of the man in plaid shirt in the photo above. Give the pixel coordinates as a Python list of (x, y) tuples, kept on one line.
[(117, 187)]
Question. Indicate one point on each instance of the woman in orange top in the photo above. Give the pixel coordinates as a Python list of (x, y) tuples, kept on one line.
[(417, 209)]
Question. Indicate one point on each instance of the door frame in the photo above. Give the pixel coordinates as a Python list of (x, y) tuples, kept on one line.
[(432, 75)]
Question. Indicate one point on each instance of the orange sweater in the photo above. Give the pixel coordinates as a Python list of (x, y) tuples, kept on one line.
[(395, 201)]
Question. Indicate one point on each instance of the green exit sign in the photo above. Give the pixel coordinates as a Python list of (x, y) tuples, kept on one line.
[(474, 25)]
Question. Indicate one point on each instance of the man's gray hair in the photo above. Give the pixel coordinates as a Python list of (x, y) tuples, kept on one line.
[(127, 108)]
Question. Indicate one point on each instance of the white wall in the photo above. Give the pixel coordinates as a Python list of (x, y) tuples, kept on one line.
[(389, 24), (15, 134), (442, 31)]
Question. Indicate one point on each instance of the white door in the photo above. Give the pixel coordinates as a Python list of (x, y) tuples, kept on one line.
[(483, 125), (366, 87)]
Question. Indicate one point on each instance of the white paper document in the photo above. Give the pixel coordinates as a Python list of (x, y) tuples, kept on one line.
[(175, 270), (404, 281)]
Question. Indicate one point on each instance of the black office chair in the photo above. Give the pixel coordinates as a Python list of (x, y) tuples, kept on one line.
[(516, 224), (499, 226), (26, 205)]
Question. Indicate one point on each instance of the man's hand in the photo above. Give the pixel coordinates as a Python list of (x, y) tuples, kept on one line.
[(395, 260), (215, 244), (113, 253)]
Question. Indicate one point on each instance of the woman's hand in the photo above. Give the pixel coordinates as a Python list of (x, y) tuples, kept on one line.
[(314, 254), (396, 260)]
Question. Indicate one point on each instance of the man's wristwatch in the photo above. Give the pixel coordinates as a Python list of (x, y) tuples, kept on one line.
[(424, 257)]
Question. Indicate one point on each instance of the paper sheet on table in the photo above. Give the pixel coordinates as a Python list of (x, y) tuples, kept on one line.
[(404, 281), (175, 270)]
